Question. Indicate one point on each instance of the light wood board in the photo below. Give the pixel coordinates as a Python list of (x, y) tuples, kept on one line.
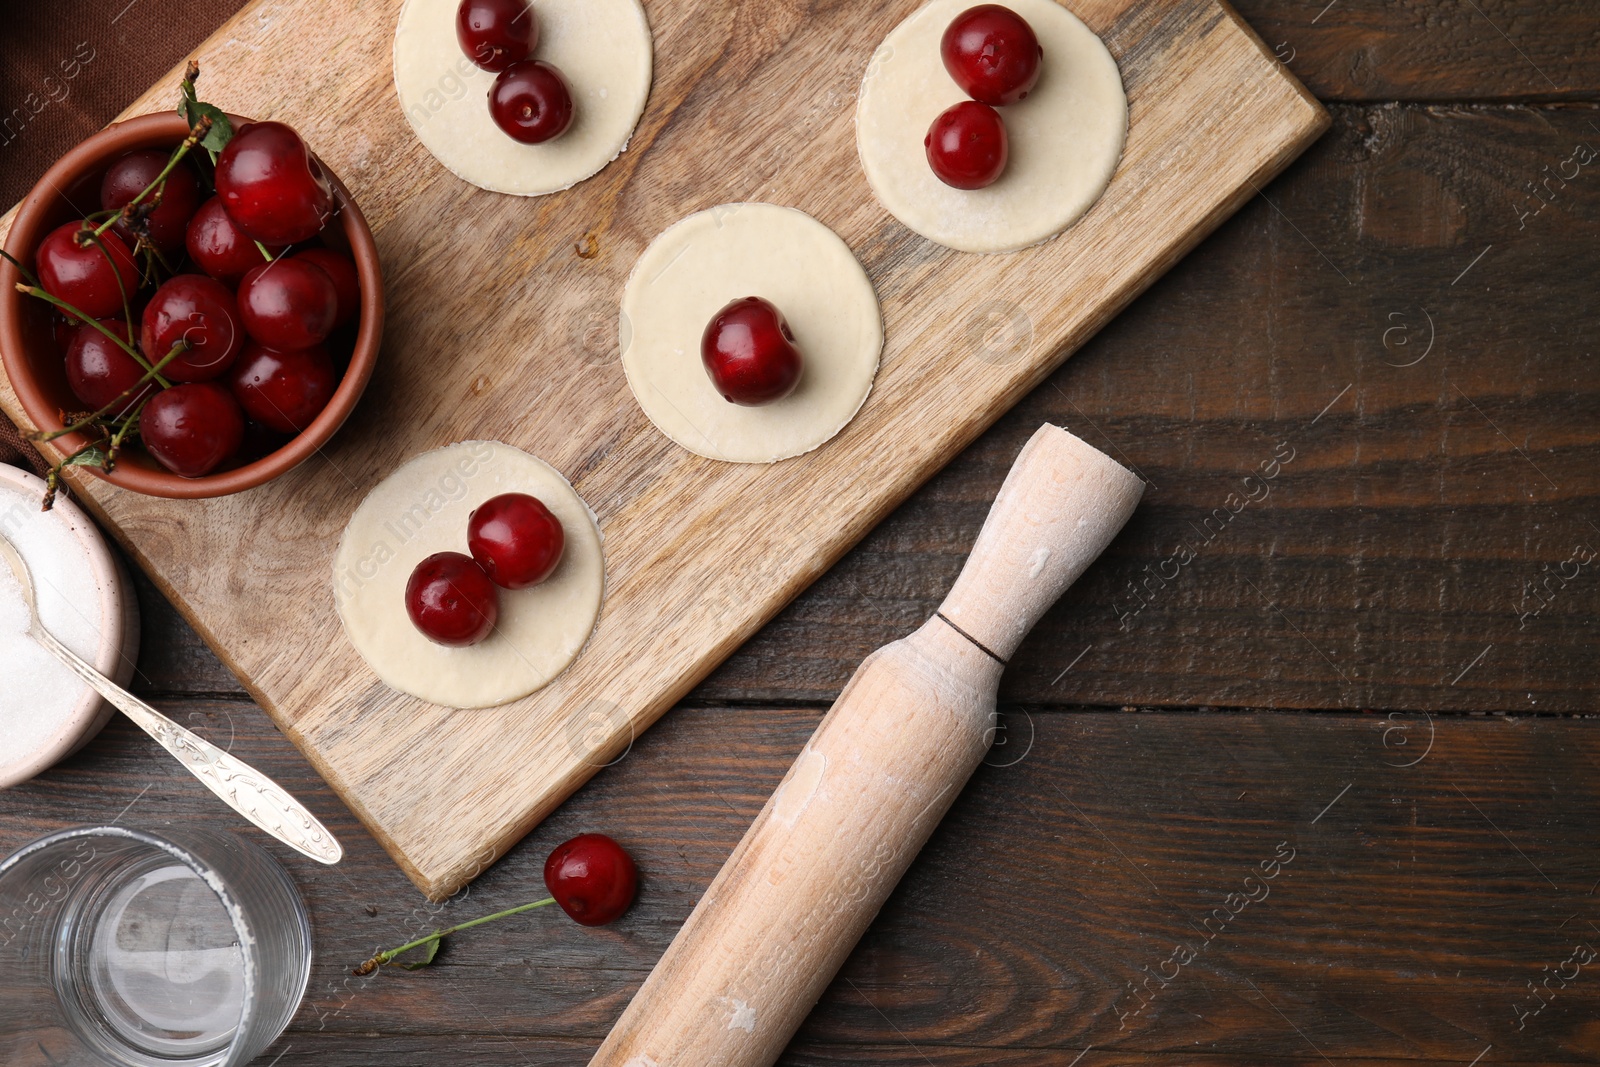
[(498, 328)]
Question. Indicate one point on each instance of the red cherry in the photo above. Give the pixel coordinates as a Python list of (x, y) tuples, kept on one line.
[(451, 600), (197, 309), (180, 196), (288, 303), (271, 187), (192, 428), (346, 280), (749, 351), (592, 878), (515, 539), (496, 33), (992, 54), (967, 145), (99, 371), (531, 102), (219, 247), (283, 391), (84, 276)]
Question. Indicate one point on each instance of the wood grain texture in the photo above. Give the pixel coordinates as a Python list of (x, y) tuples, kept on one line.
[(693, 567), (1405, 928), (1428, 50)]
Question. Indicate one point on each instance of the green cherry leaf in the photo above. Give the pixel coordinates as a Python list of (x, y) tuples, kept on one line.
[(429, 951)]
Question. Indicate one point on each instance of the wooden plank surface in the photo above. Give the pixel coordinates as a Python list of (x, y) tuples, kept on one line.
[(1364, 957), (1418, 903), (699, 554)]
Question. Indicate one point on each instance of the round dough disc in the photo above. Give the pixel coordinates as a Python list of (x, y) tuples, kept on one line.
[(1065, 138), (601, 46), (422, 508), (703, 262)]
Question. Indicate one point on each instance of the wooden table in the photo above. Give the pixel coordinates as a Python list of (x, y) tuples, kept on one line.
[(1374, 667)]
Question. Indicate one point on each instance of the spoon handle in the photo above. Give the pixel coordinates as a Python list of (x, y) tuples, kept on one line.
[(244, 789)]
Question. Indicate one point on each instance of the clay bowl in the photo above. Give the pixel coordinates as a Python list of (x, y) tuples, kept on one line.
[(34, 365), (118, 616)]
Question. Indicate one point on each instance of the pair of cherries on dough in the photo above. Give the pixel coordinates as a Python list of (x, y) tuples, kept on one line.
[(530, 100), (515, 541), (993, 55)]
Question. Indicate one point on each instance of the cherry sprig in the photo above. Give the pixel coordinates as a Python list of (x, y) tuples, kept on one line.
[(430, 943), (591, 876)]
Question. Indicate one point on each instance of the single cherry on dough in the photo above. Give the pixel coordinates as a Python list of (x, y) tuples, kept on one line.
[(515, 539), (592, 877), (992, 53), (497, 33), (530, 101), (451, 600), (750, 352), (967, 146)]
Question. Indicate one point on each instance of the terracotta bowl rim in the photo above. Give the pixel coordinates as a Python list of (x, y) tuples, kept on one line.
[(28, 228)]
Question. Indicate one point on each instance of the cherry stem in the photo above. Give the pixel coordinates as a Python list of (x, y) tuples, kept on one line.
[(34, 290), (267, 255), (389, 955), (180, 347), (199, 130), (52, 482), (128, 424), (24, 271)]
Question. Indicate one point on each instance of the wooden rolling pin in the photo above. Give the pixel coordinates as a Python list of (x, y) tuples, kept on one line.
[(872, 783)]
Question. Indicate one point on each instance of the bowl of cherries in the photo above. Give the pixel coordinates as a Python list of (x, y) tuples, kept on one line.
[(190, 303)]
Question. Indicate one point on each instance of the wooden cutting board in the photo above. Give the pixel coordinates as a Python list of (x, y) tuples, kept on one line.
[(502, 324)]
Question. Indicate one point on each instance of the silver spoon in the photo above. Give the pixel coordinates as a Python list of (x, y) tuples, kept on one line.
[(246, 790)]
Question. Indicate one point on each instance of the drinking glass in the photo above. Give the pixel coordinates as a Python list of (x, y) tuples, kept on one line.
[(127, 948)]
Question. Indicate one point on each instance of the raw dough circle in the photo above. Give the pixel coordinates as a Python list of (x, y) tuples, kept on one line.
[(421, 509), (695, 268), (601, 46), (1065, 138)]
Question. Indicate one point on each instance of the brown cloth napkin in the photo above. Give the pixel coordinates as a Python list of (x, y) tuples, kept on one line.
[(15, 449), (67, 67)]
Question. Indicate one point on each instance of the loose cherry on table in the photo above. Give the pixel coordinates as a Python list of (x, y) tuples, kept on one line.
[(283, 391), (271, 186), (346, 281), (496, 33), (750, 353), (530, 101), (87, 276), (192, 428), (515, 539), (992, 53), (201, 311), (451, 600), (99, 370), (288, 303), (219, 247), (180, 196), (592, 878), (967, 146)]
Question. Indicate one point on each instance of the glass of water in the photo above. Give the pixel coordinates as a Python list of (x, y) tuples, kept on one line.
[(124, 948)]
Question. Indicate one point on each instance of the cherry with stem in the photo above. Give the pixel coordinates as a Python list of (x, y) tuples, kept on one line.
[(34, 290)]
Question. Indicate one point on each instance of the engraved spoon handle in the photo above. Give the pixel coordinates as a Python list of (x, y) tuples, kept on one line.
[(243, 788)]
